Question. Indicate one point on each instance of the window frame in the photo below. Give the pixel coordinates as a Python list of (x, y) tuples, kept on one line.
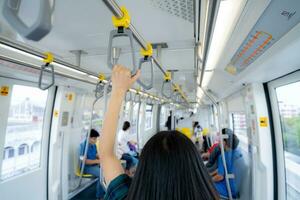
[(279, 144), (47, 119)]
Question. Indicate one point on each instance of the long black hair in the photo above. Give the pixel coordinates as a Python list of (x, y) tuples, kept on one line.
[(170, 168)]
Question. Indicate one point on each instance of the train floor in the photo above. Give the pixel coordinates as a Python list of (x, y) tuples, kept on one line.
[(87, 194)]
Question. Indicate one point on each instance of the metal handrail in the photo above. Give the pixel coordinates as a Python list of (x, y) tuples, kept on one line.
[(144, 60), (44, 68), (106, 90), (116, 33), (116, 10), (163, 89), (39, 29)]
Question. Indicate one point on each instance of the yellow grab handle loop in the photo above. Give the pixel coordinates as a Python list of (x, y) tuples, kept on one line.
[(123, 21), (101, 77), (49, 58), (148, 51), (168, 76)]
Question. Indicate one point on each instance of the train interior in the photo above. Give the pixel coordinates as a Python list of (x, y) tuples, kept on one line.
[(223, 63)]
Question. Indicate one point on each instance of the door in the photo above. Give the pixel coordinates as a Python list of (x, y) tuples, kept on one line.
[(285, 102), (24, 131)]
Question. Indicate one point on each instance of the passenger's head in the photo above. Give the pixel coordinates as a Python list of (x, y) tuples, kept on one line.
[(131, 166), (196, 124), (170, 167), (93, 136), (232, 141), (126, 126)]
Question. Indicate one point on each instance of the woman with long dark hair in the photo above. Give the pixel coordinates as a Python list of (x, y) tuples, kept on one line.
[(170, 168)]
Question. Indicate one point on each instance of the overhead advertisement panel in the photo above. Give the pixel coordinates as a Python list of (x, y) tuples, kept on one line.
[(278, 19)]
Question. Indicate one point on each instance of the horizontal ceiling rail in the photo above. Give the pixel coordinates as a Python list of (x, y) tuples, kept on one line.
[(39, 55)]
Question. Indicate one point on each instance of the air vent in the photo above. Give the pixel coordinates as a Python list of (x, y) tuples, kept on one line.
[(179, 8)]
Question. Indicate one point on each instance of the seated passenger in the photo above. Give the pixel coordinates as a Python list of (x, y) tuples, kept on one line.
[(169, 167), (206, 155), (219, 174), (212, 163), (125, 146), (92, 161), (131, 165)]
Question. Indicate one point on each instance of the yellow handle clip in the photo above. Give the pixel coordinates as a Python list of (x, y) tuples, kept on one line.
[(138, 90), (176, 88), (148, 51), (101, 77), (123, 21), (48, 57), (168, 76)]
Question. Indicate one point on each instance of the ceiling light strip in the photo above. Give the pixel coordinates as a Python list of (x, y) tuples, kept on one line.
[(208, 34)]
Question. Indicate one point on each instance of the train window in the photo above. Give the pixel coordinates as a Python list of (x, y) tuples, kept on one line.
[(9, 152), (162, 115), (239, 127), (127, 111), (35, 146), (135, 115), (24, 128), (288, 100), (23, 149), (149, 117)]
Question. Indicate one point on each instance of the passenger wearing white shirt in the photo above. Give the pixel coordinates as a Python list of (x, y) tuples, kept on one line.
[(123, 142), (124, 152)]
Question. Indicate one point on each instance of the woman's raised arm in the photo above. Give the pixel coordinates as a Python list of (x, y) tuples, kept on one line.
[(121, 82)]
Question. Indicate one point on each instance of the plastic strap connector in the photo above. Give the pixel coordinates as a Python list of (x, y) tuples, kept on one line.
[(147, 52), (168, 76), (101, 77), (176, 88), (49, 58), (124, 21)]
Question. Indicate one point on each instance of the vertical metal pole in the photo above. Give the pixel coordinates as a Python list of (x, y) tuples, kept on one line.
[(62, 135), (138, 124), (172, 118), (87, 143), (105, 93), (106, 87)]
